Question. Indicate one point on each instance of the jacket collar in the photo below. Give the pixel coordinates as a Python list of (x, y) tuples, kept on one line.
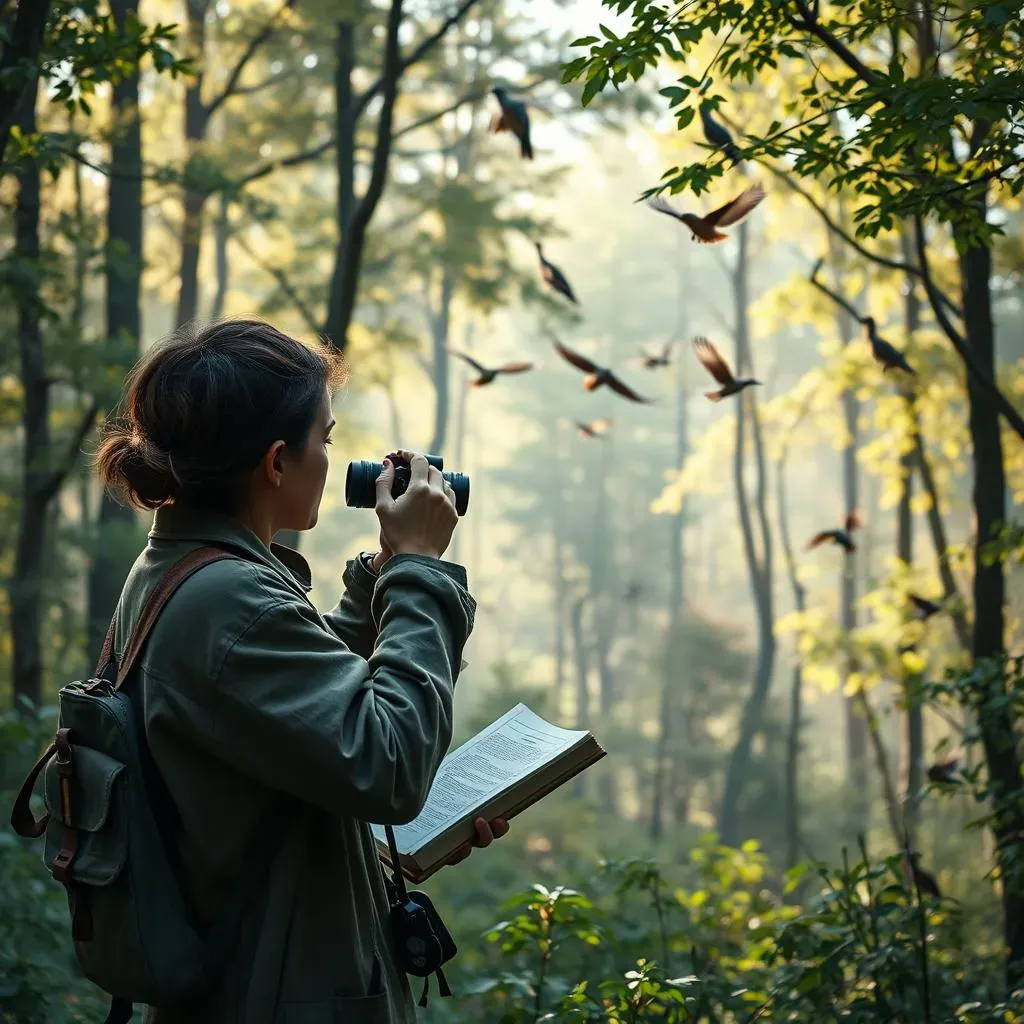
[(176, 523)]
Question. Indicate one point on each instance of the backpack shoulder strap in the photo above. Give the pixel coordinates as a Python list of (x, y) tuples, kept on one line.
[(173, 578), (22, 819)]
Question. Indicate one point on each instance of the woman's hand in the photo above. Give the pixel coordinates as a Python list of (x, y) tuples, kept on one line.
[(486, 833), (423, 519)]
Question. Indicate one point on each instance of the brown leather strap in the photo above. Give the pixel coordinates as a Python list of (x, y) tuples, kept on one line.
[(107, 651), (173, 579), (22, 820), (68, 833)]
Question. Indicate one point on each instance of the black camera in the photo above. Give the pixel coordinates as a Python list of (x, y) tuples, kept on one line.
[(361, 481)]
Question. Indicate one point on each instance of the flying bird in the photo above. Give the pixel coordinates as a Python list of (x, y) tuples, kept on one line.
[(633, 592), (923, 608), (655, 360), (840, 537), (595, 428), (596, 376), (554, 278), (717, 134), (890, 357), (513, 118), (713, 361), (943, 771), (487, 375), (705, 229)]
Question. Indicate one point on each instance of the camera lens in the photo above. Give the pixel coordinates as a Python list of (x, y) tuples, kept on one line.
[(360, 491), (361, 481), (460, 485)]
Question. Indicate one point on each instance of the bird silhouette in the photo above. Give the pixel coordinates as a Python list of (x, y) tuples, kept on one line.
[(554, 278), (705, 229), (713, 361), (923, 608), (943, 771), (633, 591), (595, 428), (924, 881), (656, 360), (841, 537), (717, 134), (513, 117), (487, 375), (596, 376), (890, 357)]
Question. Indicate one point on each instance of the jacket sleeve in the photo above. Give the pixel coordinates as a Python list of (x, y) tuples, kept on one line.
[(300, 712), (350, 619)]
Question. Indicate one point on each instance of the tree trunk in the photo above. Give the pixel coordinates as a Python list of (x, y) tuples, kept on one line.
[(197, 118), (115, 535), (676, 597), (26, 587), (222, 235), (791, 814), (759, 567), (913, 708), (579, 646), (989, 494), (440, 320), (855, 726), (23, 38), (354, 221)]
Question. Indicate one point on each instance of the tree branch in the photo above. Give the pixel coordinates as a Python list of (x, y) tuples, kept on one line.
[(52, 484), (361, 103), (850, 240), (834, 296), (254, 44), (301, 157), (811, 24), (282, 282), (958, 341)]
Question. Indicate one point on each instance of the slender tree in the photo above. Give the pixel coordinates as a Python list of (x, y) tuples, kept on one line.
[(114, 540)]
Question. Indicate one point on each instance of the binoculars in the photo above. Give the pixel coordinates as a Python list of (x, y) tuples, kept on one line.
[(361, 483)]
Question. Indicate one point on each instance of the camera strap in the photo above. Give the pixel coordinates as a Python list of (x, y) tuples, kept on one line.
[(423, 941)]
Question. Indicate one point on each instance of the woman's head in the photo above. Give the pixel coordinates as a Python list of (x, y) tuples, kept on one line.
[(233, 418)]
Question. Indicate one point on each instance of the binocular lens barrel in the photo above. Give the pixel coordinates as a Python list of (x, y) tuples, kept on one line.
[(361, 483)]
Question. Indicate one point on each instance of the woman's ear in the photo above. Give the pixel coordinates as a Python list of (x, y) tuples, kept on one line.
[(272, 464)]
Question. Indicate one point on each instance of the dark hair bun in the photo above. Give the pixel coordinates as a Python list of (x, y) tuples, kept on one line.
[(201, 409), (132, 466)]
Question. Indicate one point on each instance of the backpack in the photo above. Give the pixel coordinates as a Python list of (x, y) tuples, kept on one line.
[(107, 831)]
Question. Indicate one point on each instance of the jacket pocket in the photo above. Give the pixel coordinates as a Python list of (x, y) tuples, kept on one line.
[(340, 1010)]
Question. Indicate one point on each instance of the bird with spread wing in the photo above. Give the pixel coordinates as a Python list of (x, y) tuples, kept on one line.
[(512, 117), (714, 362), (487, 375), (554, 278), (705, 229), (595, 428), (656, 360), (841, 537), (597, 376)]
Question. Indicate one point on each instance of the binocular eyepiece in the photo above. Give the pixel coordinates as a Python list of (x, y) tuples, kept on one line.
[(361, 482)]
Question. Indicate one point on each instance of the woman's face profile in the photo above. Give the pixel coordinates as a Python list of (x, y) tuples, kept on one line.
[(304, 473)]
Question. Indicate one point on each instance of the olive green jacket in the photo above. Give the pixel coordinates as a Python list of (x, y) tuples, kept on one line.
[(250, 694)]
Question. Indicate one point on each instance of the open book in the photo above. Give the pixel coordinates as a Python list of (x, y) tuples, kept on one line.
[(501, 771)]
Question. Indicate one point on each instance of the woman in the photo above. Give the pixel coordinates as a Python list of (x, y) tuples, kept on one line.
[(250, 694)]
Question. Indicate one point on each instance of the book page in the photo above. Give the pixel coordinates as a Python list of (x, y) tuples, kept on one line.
[(504, 753)]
